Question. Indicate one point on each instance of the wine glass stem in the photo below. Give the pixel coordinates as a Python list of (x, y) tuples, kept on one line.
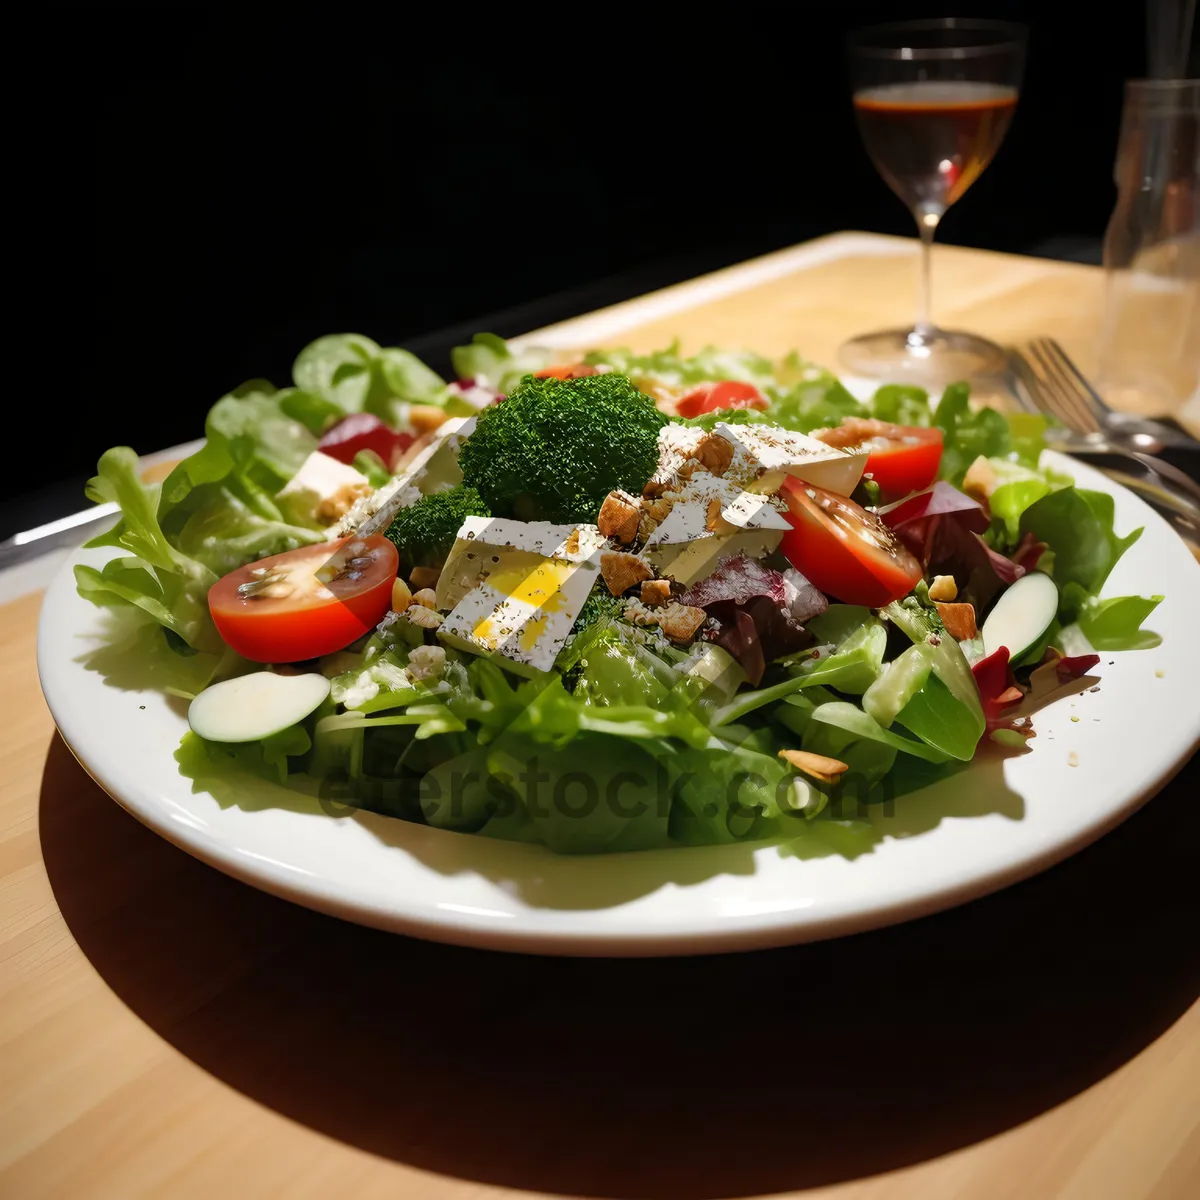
[(927, 223)]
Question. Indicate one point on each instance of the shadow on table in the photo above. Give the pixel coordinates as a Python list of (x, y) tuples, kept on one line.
[(693, 1078)]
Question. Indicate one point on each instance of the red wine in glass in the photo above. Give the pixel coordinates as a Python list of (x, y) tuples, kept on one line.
[(931, 140), (934, 100)]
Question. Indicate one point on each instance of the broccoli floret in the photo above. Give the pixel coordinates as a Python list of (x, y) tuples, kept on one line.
[(556, 447), (424, 533)]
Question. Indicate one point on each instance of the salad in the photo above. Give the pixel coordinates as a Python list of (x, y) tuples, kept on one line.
[(615, 602)]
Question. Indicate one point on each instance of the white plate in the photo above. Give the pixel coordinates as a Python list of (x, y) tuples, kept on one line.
[(1097, 756)]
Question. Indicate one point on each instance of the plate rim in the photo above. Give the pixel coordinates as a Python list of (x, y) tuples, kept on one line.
[(733, 933)]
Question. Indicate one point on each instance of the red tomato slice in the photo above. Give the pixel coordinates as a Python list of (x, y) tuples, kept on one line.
[(570, 371), (900, 458), (726, 393), (843, 549), (307, 602), (905, 459), (364, 431)]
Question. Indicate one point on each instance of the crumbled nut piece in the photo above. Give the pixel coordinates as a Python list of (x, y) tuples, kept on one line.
[(621, 570), (619, 517), (713, 521), (660, 509), (401, 595), (943, 587), (681, 622), (646, 526), (714, 453), (959, 620), (334, 508), (424, 577), (426, 598), (571, 545), (638, 614), (426, 662), (422, 617), (818, 766), (425, 418), (980, 480), (656, 592)]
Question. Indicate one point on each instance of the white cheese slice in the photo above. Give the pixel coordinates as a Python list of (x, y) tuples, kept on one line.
[(765, 455), (676, 444), (686, 549), (431, 470), (321, 482), (530, 581), (483, 542)]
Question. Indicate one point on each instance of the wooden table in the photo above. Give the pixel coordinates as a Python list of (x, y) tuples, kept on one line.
[(167, 1031)]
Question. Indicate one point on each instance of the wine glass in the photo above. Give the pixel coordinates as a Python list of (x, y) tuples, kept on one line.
[(934, 100)]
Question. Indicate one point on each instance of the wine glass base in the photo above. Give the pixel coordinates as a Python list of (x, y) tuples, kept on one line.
[(915, 356)]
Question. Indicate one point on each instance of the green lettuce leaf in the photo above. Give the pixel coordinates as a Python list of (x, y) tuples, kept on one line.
[(1077, 525), (213, 513), (902, 404), (168, 585), (272, 756), (673, 369), (1116, 623), (491, 360), (354, 374), (858, 639)]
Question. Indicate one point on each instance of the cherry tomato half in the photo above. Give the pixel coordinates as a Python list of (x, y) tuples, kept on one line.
[(906, 460), (900, 458), (726, 393), (846, 551), (307, 602), (364, 431)]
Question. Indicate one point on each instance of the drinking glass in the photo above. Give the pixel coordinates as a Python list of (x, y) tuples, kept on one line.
[(1149, 348), (934, 100)]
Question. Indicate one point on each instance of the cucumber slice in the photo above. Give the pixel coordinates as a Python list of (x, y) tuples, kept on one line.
[(1021, 615), (253, 707)]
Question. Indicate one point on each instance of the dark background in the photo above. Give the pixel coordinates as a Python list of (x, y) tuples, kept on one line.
[(212, 188)]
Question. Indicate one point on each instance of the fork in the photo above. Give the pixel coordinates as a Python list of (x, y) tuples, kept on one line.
[(1043, 379), (1065, 393), (1172, 493)]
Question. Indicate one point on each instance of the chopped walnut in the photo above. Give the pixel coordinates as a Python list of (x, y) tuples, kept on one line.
[(681, 622), (426, 598), (646, 526), (422, 617), (571, 545), (622, 570), (659, 509), (334, 508), (424, 418), (619, 517), (714, 453), (655, 592)]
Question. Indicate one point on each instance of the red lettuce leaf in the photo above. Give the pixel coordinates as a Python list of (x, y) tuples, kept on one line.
[(759, 611), (943, 528), (998, 691)]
